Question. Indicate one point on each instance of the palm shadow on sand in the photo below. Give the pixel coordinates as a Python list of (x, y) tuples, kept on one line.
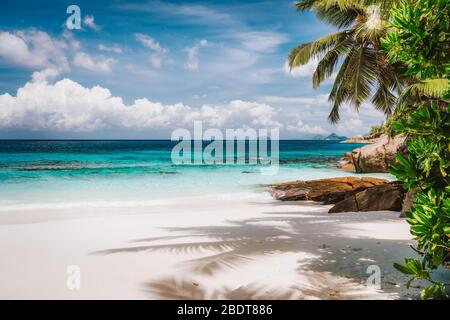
[(238, 242)]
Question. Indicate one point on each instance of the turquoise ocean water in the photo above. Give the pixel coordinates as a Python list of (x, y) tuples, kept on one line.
[(36, 174)]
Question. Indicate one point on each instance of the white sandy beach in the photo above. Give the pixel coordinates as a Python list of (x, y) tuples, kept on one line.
[(227, 246)]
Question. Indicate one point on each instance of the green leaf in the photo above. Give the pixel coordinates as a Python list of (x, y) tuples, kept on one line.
[(435, 290), (403, 269)]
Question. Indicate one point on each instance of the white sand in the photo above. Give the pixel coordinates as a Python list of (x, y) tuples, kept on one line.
[(228, 247)]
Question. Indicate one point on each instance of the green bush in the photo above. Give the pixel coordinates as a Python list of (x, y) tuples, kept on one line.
[(419, 37), (425, 170)]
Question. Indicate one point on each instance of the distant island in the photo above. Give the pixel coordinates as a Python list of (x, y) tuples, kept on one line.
[(332, 137)]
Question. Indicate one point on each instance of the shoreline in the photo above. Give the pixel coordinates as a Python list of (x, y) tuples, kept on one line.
[(247, 247)]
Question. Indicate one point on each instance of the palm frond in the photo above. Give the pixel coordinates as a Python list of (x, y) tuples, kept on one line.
[(341, 4), (305, 4), (384, 5), (364, 73), (383, 98), (340, 18), (370, 31), (361, 74), (354, 80), (433, 88), (339, 92), (389, 85), (334, 115), (330, 60), (304, 52)]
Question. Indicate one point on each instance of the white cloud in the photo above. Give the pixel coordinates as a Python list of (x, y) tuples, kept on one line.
[(68, 106), (15, 49), (192, 55), (158, 51), (71, 41), (34, 49), (44, 75), (300, 127), (114, 48), (261, 41), (99, 64), (353, 122), (90, 22), (319, 100), (194, 13), (149, 42), (306, 70)]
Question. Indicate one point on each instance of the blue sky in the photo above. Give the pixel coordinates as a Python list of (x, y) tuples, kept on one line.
[(141, 69)]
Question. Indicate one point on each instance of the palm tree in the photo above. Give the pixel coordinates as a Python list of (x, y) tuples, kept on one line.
[(363, 71)]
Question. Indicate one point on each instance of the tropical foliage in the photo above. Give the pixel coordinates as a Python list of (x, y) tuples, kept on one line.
[(376, 129), (425, 169), (419, 36), (395, 54), (423, 29), (385, 127), (362, 72)]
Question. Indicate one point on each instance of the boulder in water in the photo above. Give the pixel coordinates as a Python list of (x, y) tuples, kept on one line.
[(376, 157)]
